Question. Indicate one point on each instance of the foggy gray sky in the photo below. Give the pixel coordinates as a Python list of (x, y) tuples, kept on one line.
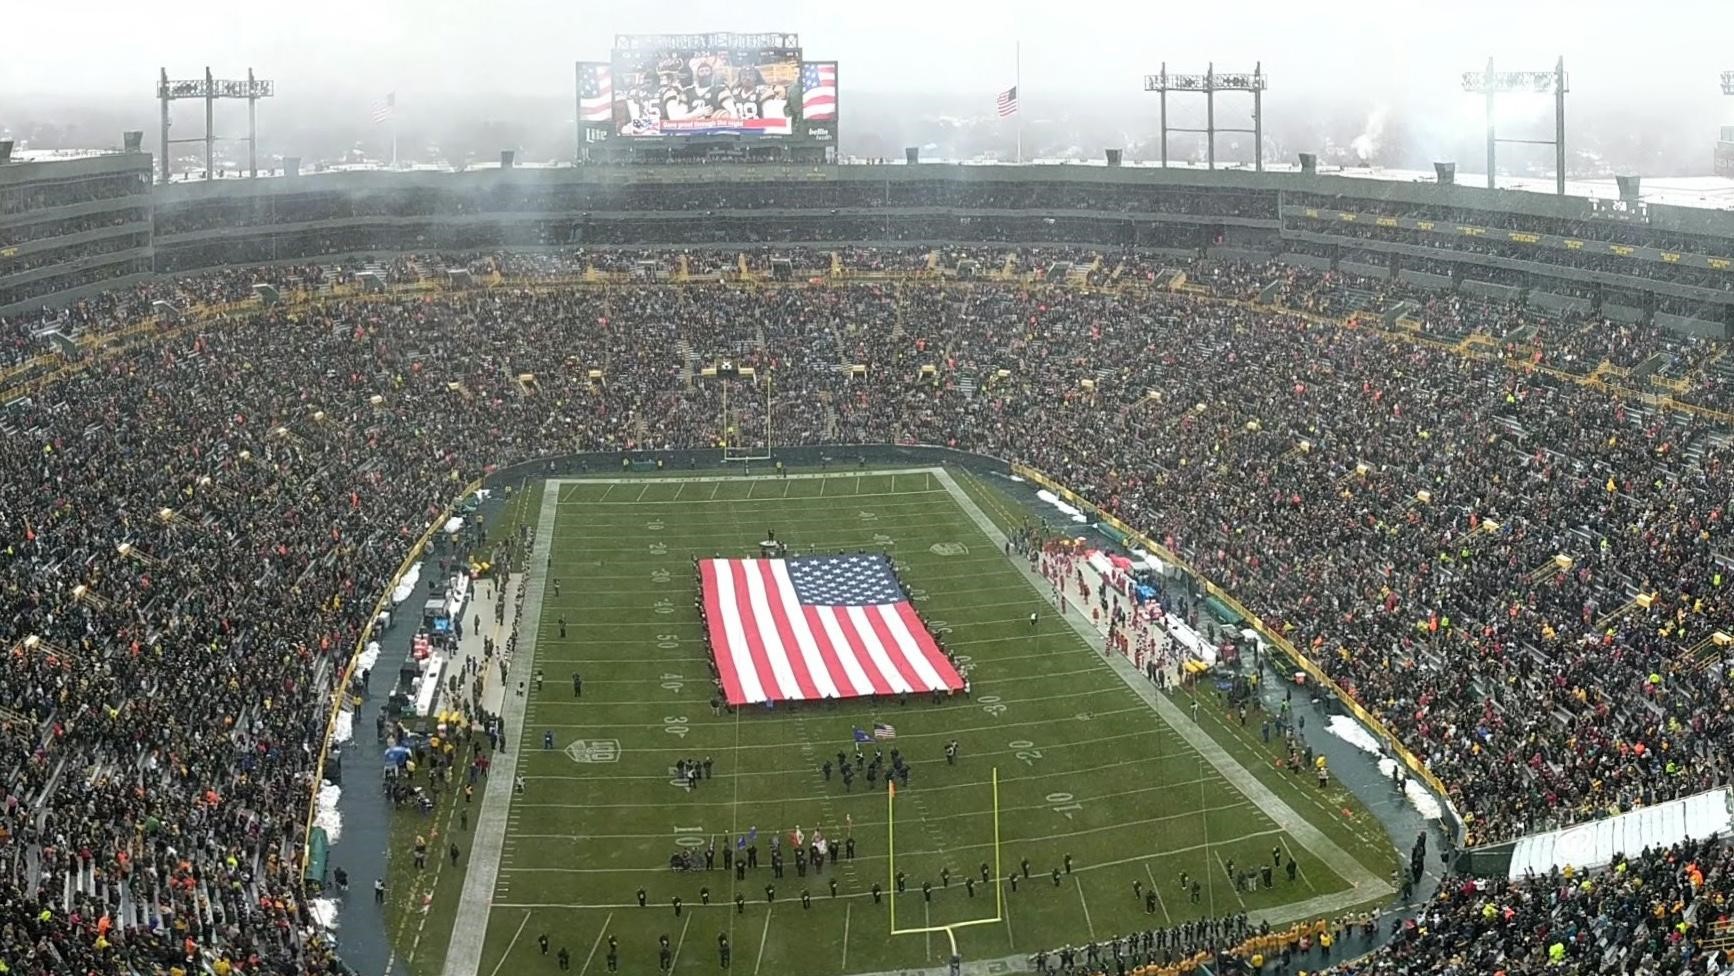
[(1402, 50)]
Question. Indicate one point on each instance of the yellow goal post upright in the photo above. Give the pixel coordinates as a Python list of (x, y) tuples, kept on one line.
[(891, 872)]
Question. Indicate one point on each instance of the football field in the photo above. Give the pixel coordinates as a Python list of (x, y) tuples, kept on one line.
[(1088, 770)]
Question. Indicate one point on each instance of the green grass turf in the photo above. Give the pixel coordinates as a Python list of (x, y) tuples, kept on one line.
[(1085, 767)]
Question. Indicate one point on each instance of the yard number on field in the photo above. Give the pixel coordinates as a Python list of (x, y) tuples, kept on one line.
[(675, 725), (1025, 750), (1063, 804), (991, 705)]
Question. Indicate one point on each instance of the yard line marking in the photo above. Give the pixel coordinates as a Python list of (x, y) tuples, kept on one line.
[(1009, 941), (1087, 923), (593, 945), (507, 954), (1233, 882), (847, 908), (1166, 921), (927, 927), (713, 490), (769, 911), (1303, 871), (641, 491), (674, 963)]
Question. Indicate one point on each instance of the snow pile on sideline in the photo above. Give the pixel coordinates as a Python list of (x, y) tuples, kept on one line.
[(369, 657), (1066, 509), (345, 728), (328, 817), (324, 911), (1352, 732), (407, 585)]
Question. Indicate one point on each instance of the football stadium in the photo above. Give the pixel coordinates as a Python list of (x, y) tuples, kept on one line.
[(715, 552)]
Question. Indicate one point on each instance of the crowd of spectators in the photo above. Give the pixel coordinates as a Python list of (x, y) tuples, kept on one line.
[(196, 523), (1653, 914)]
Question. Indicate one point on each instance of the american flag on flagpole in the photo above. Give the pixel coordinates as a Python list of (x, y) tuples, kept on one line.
[(819, 91), (1007, 103), (595, 92), (386, 110), (816, 627)]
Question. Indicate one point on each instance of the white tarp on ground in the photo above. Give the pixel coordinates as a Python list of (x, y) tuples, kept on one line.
[(1355, 734), (1594, 844)]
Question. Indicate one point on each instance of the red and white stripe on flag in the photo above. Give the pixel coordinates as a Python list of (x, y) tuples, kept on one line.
[(814, 627), (595, 91)]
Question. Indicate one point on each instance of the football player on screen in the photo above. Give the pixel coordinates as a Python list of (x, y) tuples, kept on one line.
[(708, 96)]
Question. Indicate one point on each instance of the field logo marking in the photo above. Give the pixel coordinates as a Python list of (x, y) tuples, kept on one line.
[(948, 549), (881, 539), (660, 576), (868, 517), (664, 606), (654, 525), (584, 751), (659, 548)]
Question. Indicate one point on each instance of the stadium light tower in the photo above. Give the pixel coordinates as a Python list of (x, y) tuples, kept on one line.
[(1209, 83), (1492, 83), (210, 89)]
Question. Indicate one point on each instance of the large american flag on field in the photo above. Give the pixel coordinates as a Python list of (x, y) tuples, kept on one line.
[(595, 91), (813, 627), (819, 91)]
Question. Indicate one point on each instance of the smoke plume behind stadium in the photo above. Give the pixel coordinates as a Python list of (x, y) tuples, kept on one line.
[(1357, 81)]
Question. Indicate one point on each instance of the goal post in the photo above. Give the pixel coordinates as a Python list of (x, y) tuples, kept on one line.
[(891, 872), (737, 445)]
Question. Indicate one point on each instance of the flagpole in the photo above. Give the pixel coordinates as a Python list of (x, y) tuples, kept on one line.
[(1018, 86)]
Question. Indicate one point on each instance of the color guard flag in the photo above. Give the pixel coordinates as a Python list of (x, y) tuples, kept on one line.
[(816, 627), (861, 736), (883, 731)]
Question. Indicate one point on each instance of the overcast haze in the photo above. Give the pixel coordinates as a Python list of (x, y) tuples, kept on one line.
[(1644, 87)]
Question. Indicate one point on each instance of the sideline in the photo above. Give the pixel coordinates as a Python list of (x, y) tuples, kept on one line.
[(470, 927), (1364, 885)]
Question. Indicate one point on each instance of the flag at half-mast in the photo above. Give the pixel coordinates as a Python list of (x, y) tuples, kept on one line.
[(1007, 102), (815, 627), (386, 109)]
